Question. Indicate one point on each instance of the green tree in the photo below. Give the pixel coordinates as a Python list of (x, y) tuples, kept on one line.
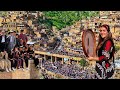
[(61, 19)]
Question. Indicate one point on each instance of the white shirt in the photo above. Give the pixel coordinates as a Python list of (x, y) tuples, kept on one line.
[(3, 39)]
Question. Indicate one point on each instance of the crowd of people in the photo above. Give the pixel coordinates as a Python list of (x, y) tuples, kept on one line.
[(15, 50), (72, 71)]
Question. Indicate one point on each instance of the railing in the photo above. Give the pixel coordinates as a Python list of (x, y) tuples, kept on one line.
[(57, 55)]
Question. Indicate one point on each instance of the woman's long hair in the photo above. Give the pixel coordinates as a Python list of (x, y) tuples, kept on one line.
[(101, 40)]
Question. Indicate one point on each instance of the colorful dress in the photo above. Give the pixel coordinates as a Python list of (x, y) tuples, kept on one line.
[(105, 66)]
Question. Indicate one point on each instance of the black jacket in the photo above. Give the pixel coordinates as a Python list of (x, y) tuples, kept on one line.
[(4, 43)]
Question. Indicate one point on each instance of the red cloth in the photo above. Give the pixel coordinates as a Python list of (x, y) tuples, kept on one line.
[(107, 65), (23, 37), (107, 48)]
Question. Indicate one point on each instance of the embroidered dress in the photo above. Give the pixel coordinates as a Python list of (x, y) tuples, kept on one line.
[(105, 66)]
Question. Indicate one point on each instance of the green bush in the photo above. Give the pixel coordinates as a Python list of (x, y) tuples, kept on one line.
[(83, 62), (117, 48)]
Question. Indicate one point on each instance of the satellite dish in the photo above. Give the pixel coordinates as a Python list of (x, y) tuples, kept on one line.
[(89, 43)]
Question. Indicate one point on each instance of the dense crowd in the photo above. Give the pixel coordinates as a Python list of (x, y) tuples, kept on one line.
[(73, 70)]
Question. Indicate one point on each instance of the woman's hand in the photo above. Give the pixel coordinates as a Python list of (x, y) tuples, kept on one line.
[(90, 58), (93, 58)]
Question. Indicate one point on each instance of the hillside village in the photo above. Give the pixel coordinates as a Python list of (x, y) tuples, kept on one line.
[(70, 36), (67, 41), (16, 20)]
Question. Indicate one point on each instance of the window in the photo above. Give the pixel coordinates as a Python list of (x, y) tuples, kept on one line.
[(95, 23), (118, 18), (113, 19), (14, 20)]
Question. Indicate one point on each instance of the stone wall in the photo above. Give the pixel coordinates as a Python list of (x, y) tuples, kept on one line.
[(5, 75), (33, 73)]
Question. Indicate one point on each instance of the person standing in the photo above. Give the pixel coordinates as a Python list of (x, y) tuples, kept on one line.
[(18, 44), (3, 44), (23, 38), (11, 41), (105, 54), (3, 49)]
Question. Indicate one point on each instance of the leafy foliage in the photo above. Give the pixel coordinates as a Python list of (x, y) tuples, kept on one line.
[(3, 13), (61, 19), (83, 62), (117, 48)]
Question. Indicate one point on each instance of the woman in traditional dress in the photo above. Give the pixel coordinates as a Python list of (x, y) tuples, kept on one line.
[(105, 54)]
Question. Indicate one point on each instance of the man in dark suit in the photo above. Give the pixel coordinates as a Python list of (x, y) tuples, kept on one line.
[(3, 49), (3, 43)]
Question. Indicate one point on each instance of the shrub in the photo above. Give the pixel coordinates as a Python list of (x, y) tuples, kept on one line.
[(117, 48), (83, 62)]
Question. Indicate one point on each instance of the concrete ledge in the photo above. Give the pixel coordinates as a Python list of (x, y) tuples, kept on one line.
[(5, 75), (32, 73)]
